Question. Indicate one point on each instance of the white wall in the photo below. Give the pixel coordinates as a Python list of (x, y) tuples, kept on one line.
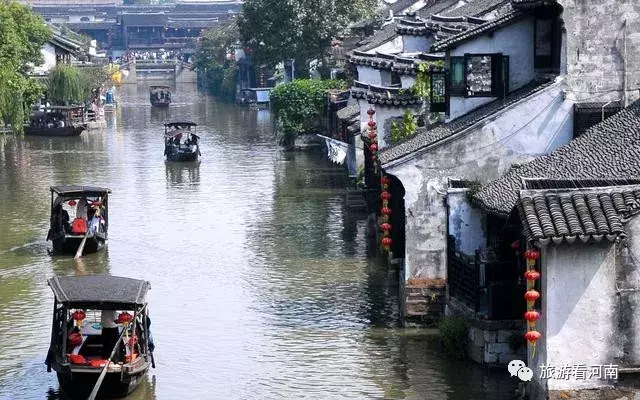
[(415, 44), (49, 53), (515, 41), (393, 46), (466, 223), (368, 75), (77, 18), (483, 152), (407, 81)]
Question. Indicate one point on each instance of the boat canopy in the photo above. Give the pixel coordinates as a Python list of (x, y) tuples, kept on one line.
[(159, 87), (178, 123), (78, 190), (99, 291)]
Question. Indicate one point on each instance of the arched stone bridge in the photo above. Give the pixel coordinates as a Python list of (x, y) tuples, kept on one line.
[(177, 70)]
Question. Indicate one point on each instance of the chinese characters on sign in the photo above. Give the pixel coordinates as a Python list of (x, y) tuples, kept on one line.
[(579, 372)]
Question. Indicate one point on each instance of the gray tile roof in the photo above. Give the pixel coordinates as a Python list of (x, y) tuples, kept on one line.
[(476, 8), (426, 137), (586, 214), (506, 17), (531, 3), (348, 112), (436, 7), (610, 149), (385, 34)]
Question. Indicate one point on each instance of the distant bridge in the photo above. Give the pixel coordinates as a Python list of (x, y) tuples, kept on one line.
[(176, 70)]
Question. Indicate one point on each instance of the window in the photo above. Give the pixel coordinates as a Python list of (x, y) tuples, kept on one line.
[(395, 79), (457, 81), (438, 96), (487, 75)]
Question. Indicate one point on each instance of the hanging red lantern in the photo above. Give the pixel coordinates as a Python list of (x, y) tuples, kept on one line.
[(531, 296), (532, 275), (374, 158), (371, 111), (373, 147), (385, 195), (532, 337), (386, 180), (372, 124), (79, 315), (385, 226), (372, 135), (386, 211), (72, 203), (532, 316), (387, 242), (124, 318), (532, 254)]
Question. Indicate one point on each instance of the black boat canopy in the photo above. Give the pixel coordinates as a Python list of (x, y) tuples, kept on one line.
[(78, 190), (100, 291), (178, 123)]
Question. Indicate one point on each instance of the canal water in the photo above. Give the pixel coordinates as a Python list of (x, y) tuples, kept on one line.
[(262, 287)]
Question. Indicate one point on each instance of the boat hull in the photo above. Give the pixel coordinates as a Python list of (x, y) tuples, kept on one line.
[(115, 385), (69, 245), (182, 156), (66, 131)]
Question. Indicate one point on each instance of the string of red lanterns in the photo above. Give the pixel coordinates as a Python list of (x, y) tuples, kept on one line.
[(373, 137), (531, 296), (385, 195)]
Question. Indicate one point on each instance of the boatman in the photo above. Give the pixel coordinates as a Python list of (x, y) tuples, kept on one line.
[(110, 332)]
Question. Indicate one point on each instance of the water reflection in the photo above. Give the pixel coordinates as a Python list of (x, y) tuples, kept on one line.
[(182, 174)]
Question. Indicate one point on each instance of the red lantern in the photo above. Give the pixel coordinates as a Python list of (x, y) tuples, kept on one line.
[(385, 195), (72, 203), (531, 296), (124, 318), (531, 317), (372, 124), (532, 337), (532, 254), (386, 211), (387, 242), (374, 158), (372, 135), (79, 315), (386, 180), (532, 275), (385, 226), (373, 147), (371, 111)]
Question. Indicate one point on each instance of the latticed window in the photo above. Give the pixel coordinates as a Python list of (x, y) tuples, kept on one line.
[(438, 91)]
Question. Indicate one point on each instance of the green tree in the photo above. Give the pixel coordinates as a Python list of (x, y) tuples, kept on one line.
[(68, 84), (211, 57), (302, 30), (22, 35)]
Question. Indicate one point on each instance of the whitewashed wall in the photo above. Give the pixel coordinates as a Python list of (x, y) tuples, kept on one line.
[(369, 75), (49, 53)]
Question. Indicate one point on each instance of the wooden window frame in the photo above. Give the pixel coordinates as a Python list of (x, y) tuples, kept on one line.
[(499, 69), (459, 90)]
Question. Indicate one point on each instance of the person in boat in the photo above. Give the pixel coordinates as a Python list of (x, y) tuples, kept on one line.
[(110, 333)]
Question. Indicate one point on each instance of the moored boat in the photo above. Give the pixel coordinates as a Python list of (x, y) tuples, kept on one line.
[(57, 121), (180, 142), (160, 96), (100, 326), (88, 205)]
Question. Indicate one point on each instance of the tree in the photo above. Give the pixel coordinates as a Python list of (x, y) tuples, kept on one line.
[(68, 84), (211, 57), (22, 35), (302, 30)]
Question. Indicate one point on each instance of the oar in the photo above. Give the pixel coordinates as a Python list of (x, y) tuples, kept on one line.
[(81, 247), (96, 388)]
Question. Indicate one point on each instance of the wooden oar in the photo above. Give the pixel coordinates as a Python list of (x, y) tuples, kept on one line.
[(81, 247), (96, 388)]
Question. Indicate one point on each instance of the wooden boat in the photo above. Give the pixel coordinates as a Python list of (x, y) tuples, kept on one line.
[(160, 96), (180, 143), (57, 121), (99, 321), (89, 207), (110, 103)]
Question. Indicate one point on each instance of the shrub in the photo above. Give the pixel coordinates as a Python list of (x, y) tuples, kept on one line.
[(454, 335), (299, 105), (405, 128)]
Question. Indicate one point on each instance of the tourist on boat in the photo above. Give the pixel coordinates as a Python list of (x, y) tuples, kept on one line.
[(110, 333), (151, 345)]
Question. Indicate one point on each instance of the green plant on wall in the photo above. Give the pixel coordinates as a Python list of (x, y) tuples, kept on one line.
[(405, 128), (454, 335)]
